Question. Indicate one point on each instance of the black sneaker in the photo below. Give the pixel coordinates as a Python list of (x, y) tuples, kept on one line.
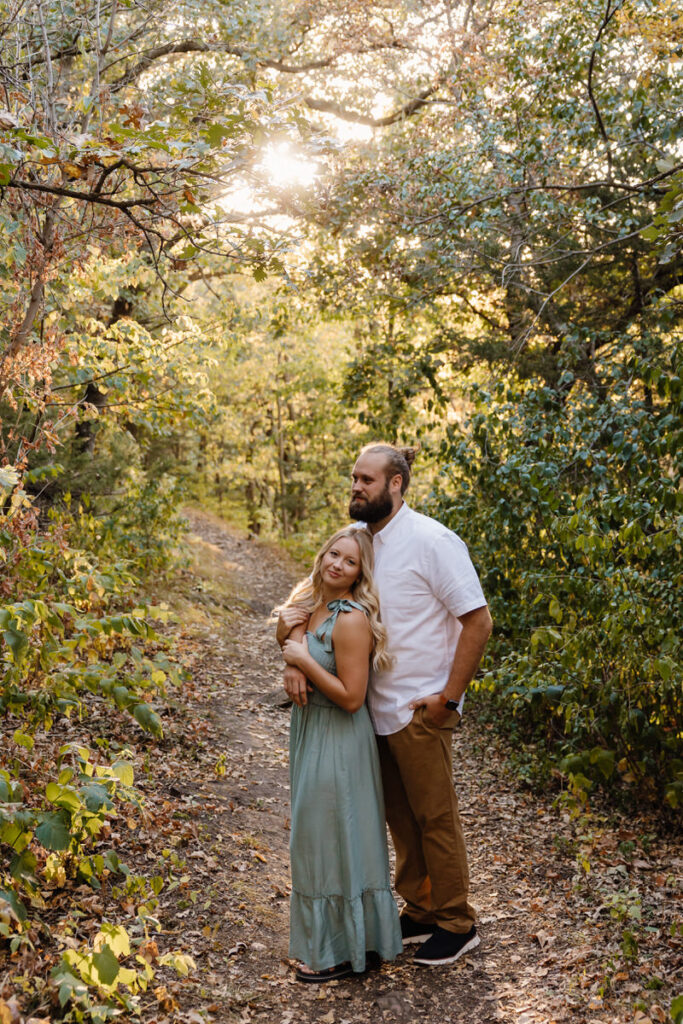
[(414, 931), (445, 947)]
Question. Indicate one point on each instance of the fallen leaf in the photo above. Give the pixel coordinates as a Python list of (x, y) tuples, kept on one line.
[(165, 999), (544, 939)]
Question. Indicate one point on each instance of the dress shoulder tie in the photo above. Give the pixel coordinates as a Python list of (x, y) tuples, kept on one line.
[(326, 628)]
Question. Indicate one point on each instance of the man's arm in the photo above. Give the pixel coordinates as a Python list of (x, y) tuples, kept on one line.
[(476, 630)]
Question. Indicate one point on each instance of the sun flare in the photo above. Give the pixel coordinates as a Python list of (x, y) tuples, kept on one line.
[(287, 168)]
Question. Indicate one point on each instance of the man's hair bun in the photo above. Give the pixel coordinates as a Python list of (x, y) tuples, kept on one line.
[(399, 460), (409, 454)]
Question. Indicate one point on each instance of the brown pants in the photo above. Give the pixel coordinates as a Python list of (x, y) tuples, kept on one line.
[(422, 813)]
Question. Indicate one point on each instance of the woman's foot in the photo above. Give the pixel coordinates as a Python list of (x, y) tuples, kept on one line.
[(373, 960), (307, 974)]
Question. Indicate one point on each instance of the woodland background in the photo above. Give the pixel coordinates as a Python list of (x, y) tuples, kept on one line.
[(239, 240)]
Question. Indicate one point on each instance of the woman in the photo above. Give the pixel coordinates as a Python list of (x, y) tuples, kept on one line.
[(342, 907)]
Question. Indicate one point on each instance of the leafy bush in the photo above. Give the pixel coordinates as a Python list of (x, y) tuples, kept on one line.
[(72, 633), (570, 498)]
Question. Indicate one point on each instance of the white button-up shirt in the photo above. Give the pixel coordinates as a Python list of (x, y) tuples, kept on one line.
[(425, 580)]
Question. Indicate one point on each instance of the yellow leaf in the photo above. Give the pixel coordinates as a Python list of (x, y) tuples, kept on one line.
[(165, 999), (72, 170)]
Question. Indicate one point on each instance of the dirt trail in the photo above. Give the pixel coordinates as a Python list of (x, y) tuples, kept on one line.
[(551, 934)]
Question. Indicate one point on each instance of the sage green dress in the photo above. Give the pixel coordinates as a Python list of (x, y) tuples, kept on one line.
[(342, 904)]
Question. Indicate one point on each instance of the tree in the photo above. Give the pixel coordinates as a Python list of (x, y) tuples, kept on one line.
[(515, 205)]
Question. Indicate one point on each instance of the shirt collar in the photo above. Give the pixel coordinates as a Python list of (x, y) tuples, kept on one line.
[(385, 533)]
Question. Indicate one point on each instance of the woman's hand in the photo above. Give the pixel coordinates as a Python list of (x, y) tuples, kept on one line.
[(294, 653), (294, 615)]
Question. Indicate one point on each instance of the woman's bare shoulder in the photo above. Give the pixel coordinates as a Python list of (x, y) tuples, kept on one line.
[(352, 623)]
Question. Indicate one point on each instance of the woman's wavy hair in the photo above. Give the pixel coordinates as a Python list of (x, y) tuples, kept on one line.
[(308, 593)]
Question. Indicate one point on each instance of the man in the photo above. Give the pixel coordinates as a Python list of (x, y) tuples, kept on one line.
[(438, 625)]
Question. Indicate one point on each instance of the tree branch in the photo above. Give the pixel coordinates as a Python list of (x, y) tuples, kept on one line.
[(609, 14), (329, 107), (156, 53), (586, 187), (84, 197)]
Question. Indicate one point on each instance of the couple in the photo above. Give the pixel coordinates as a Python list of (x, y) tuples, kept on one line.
[(421, 654)]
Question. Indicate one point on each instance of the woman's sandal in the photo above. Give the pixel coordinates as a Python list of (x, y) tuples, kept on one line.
[(320, 977)]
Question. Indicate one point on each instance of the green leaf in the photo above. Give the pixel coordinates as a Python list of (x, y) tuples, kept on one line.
[(17, 906), (68, 985), (23, 865), (53, 832), (63, 796), (677, 1010), (148, 719), (554, 693), (15, 835), (215, 134), (106, 965), (122, 696), (604, 760), (112, 862), (96, 797), (17, 643), (673, 795), (23, 740), (555, 609)]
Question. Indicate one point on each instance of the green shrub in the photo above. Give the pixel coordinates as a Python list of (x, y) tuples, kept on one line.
[(570, 498)]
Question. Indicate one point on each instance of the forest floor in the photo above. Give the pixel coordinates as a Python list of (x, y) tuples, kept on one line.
[(576, 913)]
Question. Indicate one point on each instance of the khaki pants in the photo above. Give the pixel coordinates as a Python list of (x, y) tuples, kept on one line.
[(422, 813)]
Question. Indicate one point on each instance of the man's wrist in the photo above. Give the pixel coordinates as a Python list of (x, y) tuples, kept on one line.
[(449, 702)]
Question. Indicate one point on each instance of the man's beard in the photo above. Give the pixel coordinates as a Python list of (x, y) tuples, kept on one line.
[(372, 511)]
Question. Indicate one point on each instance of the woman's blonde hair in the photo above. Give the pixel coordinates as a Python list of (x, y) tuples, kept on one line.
[(308, 593)]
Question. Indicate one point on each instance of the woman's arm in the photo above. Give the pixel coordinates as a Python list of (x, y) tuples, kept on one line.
[(352, 641), (291, 623)]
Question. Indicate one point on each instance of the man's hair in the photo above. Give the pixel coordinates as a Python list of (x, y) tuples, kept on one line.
[(399, 460)]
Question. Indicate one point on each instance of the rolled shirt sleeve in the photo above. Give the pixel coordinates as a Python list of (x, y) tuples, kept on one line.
[(453, 577)]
